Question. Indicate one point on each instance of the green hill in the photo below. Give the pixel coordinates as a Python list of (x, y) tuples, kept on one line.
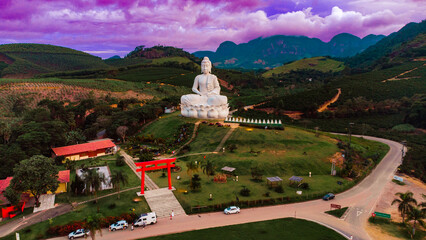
[(322, 64), (387, 45), (27, 60)]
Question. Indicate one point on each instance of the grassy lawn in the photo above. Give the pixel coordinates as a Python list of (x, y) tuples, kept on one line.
[(338, 212), (208, 138), (397, 229), (123, 205), (166, 126), (99, 161), (286, 228), (278, 153)]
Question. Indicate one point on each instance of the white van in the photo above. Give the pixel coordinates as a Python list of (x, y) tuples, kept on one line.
[(147, 218)]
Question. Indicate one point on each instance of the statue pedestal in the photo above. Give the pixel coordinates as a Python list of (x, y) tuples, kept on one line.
[(205, 111)]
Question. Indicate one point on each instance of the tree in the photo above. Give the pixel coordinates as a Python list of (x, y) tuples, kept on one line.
[(121, 131), (12, 196), (94, 224), (208, 168), (416, 215), (38, 175), (93, 181), (195, 183), (256, 173), (405, 203), (118, 177), (232, 147), (75, 137), (77, 186), (191, 167)]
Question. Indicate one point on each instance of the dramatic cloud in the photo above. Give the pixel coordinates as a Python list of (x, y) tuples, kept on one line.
[(109, 27)]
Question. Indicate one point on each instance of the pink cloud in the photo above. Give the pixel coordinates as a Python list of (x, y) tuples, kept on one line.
[(102, 25)]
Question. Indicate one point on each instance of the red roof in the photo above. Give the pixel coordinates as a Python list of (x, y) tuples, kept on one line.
[(4, 183), (64, 176), (81, 148)]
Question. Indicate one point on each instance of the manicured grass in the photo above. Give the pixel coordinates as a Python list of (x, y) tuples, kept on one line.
[(208, 138), (338, 212), (278, 153), (166, 126), (123, 205), (286, 228), (109, 160)]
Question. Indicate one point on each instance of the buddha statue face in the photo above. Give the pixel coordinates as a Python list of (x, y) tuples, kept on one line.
[(206, 66)]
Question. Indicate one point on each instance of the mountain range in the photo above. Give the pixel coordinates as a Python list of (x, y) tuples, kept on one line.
[(276, 50)]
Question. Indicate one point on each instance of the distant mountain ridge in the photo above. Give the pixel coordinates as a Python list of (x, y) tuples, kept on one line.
[(279, 49), (387, 45)]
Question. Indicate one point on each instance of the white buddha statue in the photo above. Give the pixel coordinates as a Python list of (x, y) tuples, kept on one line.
[(207, 102)]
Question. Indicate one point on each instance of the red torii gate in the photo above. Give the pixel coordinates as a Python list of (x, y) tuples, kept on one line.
[(154, 165)]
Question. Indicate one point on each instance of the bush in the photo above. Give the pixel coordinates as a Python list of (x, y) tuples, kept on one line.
[(112, 206), (279, 189), (304, 186), (119, 161), (245, 192), (59, 160)]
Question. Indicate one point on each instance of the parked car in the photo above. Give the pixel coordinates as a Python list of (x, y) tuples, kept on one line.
[(232, 209), (120, 225), (146, 218), (78, 233), (328, 196)]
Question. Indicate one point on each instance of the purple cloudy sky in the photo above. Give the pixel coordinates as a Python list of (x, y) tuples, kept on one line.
[(109, 27)]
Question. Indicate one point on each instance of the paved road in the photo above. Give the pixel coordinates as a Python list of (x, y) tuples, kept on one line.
[(361, 199)]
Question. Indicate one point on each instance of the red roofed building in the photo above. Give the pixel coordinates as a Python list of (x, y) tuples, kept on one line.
[(85, 150)]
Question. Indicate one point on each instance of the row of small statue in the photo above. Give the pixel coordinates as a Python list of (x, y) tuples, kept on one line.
[(241, 120)]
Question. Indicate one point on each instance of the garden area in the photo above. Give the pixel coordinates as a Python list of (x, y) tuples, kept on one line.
[(257, 154), (285, 228), (114, 166)]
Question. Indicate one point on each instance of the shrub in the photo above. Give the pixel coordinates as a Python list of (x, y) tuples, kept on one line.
[(279, 189), (195, 183), (304, 186), (112, 206), (245, 192), (119, 161)]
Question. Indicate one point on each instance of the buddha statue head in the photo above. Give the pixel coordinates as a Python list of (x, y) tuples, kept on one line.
[(206, 66)]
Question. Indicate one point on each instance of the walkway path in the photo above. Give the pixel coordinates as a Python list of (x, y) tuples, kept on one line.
[(228, 134), (129, 161), (162, 201)]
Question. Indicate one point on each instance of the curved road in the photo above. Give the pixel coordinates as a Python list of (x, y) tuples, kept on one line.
[(361, 199)]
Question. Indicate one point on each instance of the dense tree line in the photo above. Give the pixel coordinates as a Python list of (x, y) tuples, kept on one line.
[(53, 124)]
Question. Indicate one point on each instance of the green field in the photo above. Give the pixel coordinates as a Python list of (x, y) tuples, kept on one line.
[(286, 228), (338, 212), (166, 126), (322, 64), (170, 59), (277, 153)]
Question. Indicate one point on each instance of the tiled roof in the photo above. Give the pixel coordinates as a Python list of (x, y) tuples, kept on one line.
[(4, 183), (64, 176), (81, 148)]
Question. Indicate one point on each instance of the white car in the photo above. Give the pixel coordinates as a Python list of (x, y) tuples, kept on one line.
[(78, 233), (120, 225), (232, 209)]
